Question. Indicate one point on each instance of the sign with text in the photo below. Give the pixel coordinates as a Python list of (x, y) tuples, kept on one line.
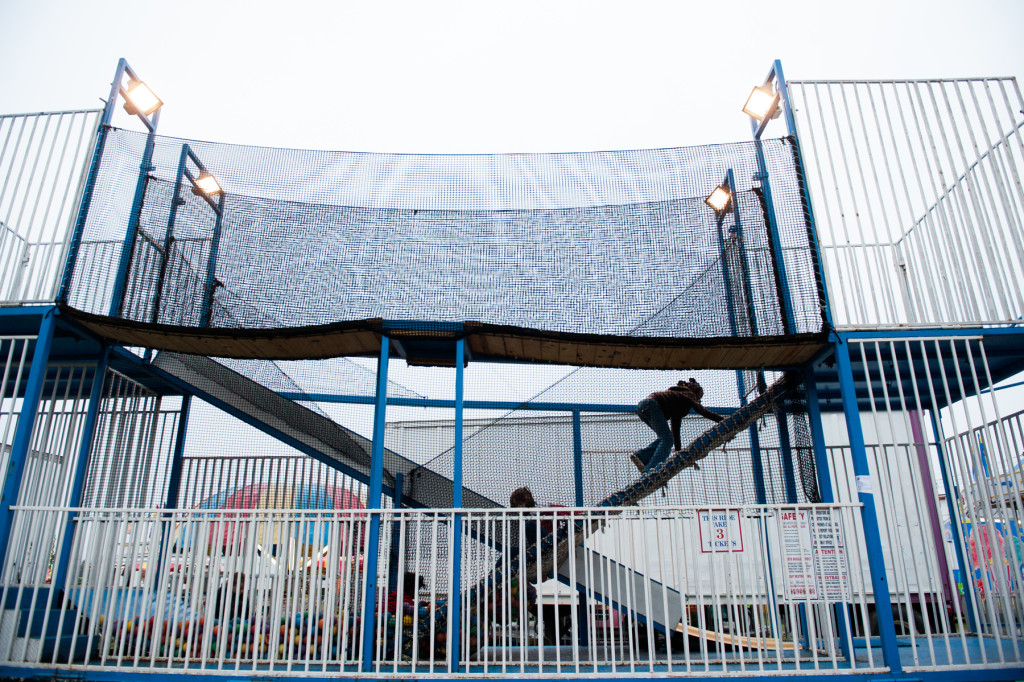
[(814, 556), (720, 531)]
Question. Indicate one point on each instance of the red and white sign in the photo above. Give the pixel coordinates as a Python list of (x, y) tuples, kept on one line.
[(720, 531)]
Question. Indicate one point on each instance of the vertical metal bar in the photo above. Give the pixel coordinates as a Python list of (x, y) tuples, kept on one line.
[(83, 212), (373, 502), (26, 421), (866, 495), (176, 201), (577, 455), (124, 262), (826, 493), (82, 464), (455, 594), (775, 239), (211, 267)]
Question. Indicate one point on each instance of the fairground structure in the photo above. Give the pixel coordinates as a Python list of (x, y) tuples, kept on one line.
[(262, 409)]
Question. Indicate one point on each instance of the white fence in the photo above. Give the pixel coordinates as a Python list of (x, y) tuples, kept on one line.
[(916, 188), (659, 591), (43, 158)]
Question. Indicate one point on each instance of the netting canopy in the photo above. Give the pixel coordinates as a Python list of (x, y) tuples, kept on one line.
[(606, 259)]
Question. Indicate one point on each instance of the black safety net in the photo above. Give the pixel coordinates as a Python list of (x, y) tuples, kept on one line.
[(614, 245)]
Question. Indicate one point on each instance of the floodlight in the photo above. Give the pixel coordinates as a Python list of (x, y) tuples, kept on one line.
[(140, 100), (760, 102), (719, 199), (207, 185)]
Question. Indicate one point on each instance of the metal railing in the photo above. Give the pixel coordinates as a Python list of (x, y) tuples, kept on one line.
[(43, 159), (917, 198), (657, 591)]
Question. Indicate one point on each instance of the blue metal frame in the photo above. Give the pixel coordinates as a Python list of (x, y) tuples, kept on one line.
[(373, 499), (787, 110), (81, 466), (83, 212), (454, 600), (211, 267), (26, 422), (169, 233), (121, 274), (825, 490), (866, 495), (954, 522), (577, 455)]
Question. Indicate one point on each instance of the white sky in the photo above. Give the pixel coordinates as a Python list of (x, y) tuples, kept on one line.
[(480, 76)]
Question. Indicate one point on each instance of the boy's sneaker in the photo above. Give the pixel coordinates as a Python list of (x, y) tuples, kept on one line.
[(638, 462)]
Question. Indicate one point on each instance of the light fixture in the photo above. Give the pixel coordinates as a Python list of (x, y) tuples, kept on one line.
[(207, 185), (139, 99), (760, 102), (719, 199)]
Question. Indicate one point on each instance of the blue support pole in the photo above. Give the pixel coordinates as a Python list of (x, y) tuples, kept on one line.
[(577, 455), (775, 239), (866, 495), (121, 274), (812, 232), (26, 422), (169, 233), (373, 499), (174, 480), (455, 597), (821, 464), (81, 466), (211, 267), (954, 524), (83, 213)]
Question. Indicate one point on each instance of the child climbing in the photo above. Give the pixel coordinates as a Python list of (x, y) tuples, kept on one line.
[(661, 407)]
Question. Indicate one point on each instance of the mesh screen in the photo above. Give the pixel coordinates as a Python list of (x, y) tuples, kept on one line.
[(613, 243)]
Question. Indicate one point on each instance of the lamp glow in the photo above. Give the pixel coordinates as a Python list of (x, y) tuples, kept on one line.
[(719, 199), (759, 102), (139, 99), (208, 185)]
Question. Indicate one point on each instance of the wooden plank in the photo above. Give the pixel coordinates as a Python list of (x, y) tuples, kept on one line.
[(737, 640)]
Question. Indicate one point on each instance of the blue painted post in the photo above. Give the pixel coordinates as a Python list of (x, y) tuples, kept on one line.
[(812, 232), (775, 239), (121, 275), (577, 469), (577, 455), (455, 593), (169, 234), (173, 481), (373, 499), (26, 422), (825, 490), (211, 267), (866, 495), (81, 466), (954, 524)]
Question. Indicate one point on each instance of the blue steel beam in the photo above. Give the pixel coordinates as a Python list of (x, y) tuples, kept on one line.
[(81, 466), (26, 422), (866, 495), (373, 500)]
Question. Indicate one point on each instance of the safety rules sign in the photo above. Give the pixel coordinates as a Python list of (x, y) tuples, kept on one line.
[(815, 556)]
